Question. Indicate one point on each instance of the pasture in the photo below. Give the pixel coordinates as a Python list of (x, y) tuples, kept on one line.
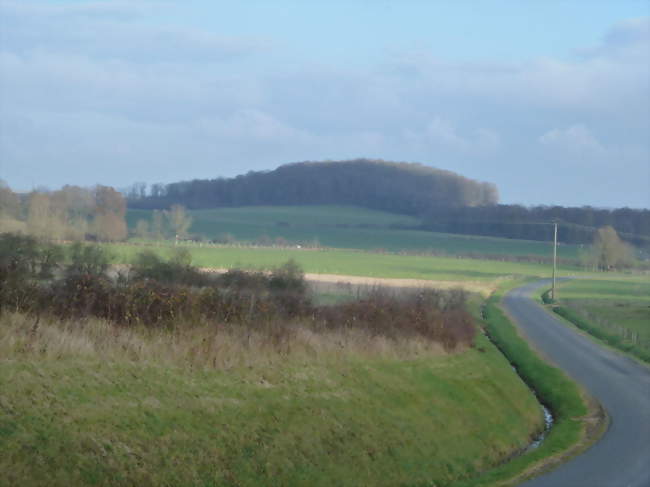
[(345, 262), (349, 228), (618, 305)]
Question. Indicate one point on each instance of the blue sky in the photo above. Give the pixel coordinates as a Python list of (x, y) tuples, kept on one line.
[(549, 100)]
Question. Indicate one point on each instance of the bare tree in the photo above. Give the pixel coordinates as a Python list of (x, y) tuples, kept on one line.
[(157, 225), (109, 223), (179, 220), (142, 229), (39, 221), (609, 251)]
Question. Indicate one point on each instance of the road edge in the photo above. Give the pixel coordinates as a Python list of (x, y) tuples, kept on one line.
[(591, 424)]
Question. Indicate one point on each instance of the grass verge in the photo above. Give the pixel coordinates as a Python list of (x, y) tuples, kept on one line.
[(571, 413)]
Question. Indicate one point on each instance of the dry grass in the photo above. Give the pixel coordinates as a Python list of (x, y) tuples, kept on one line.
[(484, 288), (205, 346)]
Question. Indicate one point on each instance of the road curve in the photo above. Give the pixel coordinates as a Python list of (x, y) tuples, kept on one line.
[(622, 457)]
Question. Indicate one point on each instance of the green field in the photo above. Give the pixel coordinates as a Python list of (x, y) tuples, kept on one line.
[(348, 262), (350, 228), (123, 406), (617, 305), (112, 408)]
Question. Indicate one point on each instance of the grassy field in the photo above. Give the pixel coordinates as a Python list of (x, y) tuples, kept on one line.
[(88, 404), (343, 227), (617, 305), (349, 262)]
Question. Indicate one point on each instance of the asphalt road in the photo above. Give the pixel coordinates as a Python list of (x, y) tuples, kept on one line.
[(622, 457)]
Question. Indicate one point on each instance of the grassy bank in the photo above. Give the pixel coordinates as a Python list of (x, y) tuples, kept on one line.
[(553, 387), (86, 403)]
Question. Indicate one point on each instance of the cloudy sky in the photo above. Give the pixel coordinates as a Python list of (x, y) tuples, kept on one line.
[(549, 100)]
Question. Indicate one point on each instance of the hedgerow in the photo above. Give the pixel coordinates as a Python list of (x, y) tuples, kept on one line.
[(172, 293)]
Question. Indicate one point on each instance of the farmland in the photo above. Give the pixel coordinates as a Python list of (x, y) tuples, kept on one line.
[(347, 262), (618, 306), (215, 404), (348, 227)]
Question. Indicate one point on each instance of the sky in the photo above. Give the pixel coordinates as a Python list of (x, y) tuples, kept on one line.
[(549, 100)]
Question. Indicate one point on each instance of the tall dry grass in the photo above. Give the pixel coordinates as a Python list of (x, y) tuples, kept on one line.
[(202, 346)]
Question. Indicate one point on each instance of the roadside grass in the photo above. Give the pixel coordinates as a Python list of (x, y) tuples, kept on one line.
[(554, 389), (88, 403), (349, 227), (614, 309)]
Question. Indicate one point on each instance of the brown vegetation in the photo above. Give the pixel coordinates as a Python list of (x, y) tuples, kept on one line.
[(71, 213), (173, 295)]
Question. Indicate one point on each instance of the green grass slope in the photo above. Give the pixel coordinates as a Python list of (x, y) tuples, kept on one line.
[(348, 227), (88, 419)]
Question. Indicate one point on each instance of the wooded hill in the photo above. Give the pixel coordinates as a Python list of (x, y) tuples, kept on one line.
[(444, 201), (407, 188)]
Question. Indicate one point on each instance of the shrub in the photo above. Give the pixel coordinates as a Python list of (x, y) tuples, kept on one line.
[(87, 259), (172, 292), (177, 270), (289, 289), (414, 314), (24, 261), (79, 295), (546, 297)]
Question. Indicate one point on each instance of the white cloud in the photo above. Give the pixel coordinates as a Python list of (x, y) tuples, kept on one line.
[(627, 41), (85, 82), (106, 30), (576, 140), (442, 136)]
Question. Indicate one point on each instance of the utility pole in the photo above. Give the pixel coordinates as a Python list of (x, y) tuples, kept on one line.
[(554, 259)]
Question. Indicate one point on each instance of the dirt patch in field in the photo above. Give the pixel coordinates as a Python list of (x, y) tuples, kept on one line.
[(484, 288), (472, 286)]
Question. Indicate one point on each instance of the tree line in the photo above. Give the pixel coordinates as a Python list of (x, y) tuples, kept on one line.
[(397, 187), (576, 225), (43, 279), (445, 201), (70, 213)]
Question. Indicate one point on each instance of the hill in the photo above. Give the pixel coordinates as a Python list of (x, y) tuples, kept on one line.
[(346, 227), (443, 201), (406, 188)]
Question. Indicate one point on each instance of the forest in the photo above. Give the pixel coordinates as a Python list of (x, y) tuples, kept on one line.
[(69, 213), (444, 201), (575, 225), (407, 188)]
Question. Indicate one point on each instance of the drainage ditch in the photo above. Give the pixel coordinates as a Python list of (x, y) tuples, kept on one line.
[(548, 415)]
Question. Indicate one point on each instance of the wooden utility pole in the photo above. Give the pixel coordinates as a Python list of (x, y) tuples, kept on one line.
[(554, 258)]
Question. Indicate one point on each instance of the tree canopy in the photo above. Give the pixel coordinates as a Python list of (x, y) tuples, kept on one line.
[(407, 188)]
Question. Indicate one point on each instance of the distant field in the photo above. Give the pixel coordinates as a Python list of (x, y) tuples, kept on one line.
[(618, 305), (348, 227), (349, 262)]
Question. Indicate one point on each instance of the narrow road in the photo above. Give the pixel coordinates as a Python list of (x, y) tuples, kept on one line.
[(622, 457)]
